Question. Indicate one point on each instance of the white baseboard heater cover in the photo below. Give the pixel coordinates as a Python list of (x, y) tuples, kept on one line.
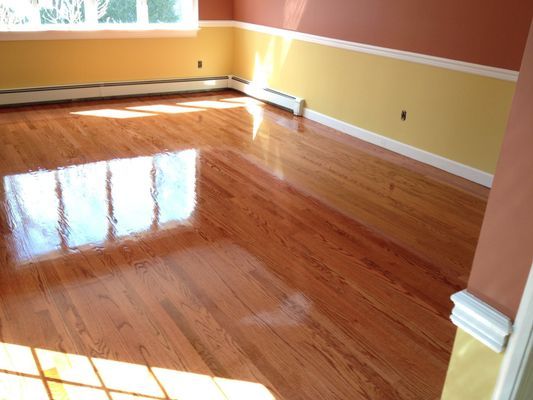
[(295, 104), (111, 89)]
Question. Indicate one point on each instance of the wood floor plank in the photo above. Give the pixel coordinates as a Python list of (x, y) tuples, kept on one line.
[(230, 241)]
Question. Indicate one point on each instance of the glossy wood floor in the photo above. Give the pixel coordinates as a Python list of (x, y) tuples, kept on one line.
[(211, 247)]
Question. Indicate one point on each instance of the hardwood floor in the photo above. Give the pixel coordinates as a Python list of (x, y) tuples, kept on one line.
[(210, 246)]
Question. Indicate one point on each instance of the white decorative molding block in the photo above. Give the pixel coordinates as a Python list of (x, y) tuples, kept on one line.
[(480, 320)]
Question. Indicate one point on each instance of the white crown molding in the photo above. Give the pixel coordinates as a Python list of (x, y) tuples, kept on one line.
[(480, 320), (445, 164), (455, 65)]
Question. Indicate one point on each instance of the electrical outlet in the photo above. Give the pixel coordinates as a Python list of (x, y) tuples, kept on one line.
[(200, 64), (404, 115)]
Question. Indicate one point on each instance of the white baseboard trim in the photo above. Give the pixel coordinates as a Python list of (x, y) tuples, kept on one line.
[(480, 320), (110, 89), (453, 167), (295, 104)]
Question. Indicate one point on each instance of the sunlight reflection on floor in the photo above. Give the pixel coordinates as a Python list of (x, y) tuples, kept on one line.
[(17, 358), (187, 386), (42, 374), (110, 113), (211, 104), (71, 392), (128, 377), (151, 110), (165, 109), (15, 387), (67, 367)]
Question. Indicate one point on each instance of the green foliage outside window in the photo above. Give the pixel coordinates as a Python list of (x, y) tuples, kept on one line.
[(125, 11), (163, 11), (120, 11), (74, 12), (63, 12)]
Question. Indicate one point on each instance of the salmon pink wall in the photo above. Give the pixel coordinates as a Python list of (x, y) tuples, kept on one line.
[(488, 32), (505, 250), (215, 9)]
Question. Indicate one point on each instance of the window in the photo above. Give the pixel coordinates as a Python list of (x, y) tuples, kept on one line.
[(43, 16)]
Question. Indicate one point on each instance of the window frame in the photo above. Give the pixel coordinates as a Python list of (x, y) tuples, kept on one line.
[(187, 28)]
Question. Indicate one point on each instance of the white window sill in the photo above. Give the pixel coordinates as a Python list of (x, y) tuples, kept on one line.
[(64, 34)]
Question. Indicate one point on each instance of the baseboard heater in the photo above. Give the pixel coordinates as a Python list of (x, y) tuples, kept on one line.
[(53, 94), (106, 90), (294, 104)]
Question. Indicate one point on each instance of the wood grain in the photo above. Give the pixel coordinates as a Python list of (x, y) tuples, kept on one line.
[(232, 241)]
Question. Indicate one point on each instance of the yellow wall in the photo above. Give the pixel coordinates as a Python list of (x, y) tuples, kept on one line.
[(473, 370), (453, 114), (57, 62)]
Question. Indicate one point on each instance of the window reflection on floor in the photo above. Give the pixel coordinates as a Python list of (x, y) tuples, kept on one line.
[(132, 201), (54, 211), (83, 194), (33, 207)]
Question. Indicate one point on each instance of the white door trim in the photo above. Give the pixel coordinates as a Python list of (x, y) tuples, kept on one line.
[(520, 348)]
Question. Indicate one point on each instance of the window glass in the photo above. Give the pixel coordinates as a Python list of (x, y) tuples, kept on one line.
[(15, 12), (164, 11), (62, 12), (118, 12), (87, 15)]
